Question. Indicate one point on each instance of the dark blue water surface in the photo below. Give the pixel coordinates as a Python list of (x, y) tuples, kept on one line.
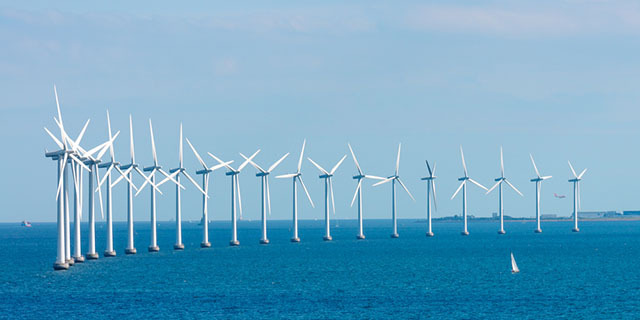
[(591, 274)]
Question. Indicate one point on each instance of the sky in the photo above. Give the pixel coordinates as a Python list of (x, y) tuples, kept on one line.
[(556, 79)]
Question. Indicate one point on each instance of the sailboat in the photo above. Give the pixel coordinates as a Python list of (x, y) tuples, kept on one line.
[(514, 266)]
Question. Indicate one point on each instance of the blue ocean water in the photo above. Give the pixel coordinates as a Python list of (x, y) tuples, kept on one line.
[(591, 274)]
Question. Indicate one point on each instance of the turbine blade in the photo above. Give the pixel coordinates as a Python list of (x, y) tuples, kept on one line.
[(374, 177), (333, 170), (55, 91), (78, 161), (464, 165), (220, 161), (405, 189), (501, 163), (196, 154), (333, 201), (582, 173), (170, 177), (398, 159), (356, 162), (478, 184), (113, 184), (124, 175), (244, 164), (494, 186), (108, 145), (513, 187), (239, 196), (382, 182), (109, 128), (106, 175), (60, 145), (180, 151), (429, 168), (255, 165), (194, 183), (572, 171), (534, 165), (306, 191), (218, 166), (147, 181), (304, 142), (268, 194), (433, 188), (289, 175), (153, 145), (318, 166), (356, 193), (458, 190), (61, 181), (99, 193), (79, 138), (273, 166), (133, 157), (545, 178)]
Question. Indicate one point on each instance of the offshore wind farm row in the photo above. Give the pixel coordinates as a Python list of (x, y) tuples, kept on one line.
[(73, 160)]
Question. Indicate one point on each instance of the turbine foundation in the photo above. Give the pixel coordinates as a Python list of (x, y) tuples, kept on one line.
[(502, 232), (70, 262), (234, 243), (92, 256), (60, 266), (295, 239), (464, 233), (360, 237), (327, 238), (178, 246), (395, 235), (575, 230), (107, 254), (264, 241), (154, 248), (205, 245), (79, 259), (537, 231), (429, 234), (130, 251)]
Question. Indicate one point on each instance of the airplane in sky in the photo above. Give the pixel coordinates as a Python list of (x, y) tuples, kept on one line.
[(559, 196)]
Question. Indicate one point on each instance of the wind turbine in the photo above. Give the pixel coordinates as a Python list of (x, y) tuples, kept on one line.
[(538, 180), (358, 192), (297, 177), (153, 246), (499, 181), (112, 164), (63, 257), (235, 195), (128, 172), (431, 193), (328, 188), (266, 195), (181, 171), (463, 186), (576, 195), (393, 180), (205, 186)]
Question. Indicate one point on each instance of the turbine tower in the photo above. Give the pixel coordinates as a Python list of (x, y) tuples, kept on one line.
[(205, 186), (328, 188), (463, 186), (538, 180), (297, 177), (358, 193), (236, 198), (153, 245), (266, 195), (128, 172), (499, 181), (576, 195), (181, 171), (431, 194), (393, 180)]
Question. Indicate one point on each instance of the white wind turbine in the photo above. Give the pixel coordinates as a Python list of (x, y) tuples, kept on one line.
[(112, 164), (236, 198), (297, 177), (128, 172), (358, 193), (463, 186), (576, 195), (393, 180), (328, 188), (499, 181), (431, 193), (63, 258), (205, 197), (153, 246), (266, 195), (538, 180), (181, 171)]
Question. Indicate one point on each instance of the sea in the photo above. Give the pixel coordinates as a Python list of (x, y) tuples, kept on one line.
[(593, 274)]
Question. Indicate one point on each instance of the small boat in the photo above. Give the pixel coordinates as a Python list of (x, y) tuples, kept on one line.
[(26, 223), (514, 266)]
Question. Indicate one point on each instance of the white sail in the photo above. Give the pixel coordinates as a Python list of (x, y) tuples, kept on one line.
[(514, 266)]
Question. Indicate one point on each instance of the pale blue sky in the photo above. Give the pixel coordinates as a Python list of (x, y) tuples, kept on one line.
[(558, 79)]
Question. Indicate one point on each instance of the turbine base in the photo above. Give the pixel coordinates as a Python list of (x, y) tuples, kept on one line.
[(92, 256), (70, 262), (153, 249), (537, 231), (395, 235), (107, 253), (205, 245), (60, 266), (464, 233), (502, 232), (79, 259), (234, 243), (295, 239), (575, 230), (429, 234), (327, 238), (178, 246), (130, 251), (360, 237), (264, 241)]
